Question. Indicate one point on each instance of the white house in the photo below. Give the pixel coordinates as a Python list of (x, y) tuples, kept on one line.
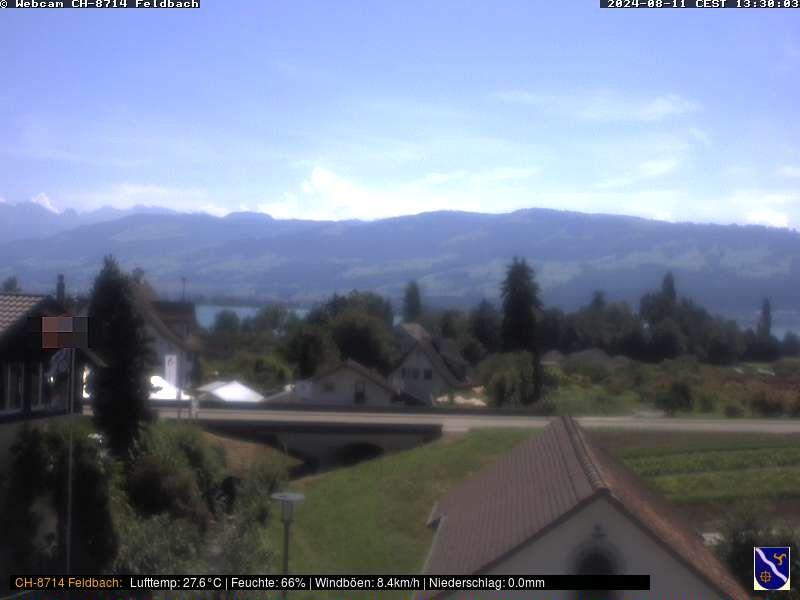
[(172, 327), (348, 383), (429, 367), (558, 504), (228, 391)]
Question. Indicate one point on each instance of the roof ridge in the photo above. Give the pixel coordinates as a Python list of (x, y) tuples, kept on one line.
[(23, 295), (584, 455)]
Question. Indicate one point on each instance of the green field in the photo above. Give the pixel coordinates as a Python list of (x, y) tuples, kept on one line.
[(371, 518)]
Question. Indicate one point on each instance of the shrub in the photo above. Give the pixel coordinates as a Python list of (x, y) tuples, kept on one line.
[(544, 408), (592, 364), (786, 367), (767, 404), (156, 487), (36, 492), (185, 447), (245, 541), (794, 407), (707, 402), (678, 398), (733, 410), (508, 377), (157, 544)]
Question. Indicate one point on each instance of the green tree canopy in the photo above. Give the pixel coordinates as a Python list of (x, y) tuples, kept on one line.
[(226, 322), (120, 391), (765, 321), (364, 338), (485, 325), (412, 302), (520, 294), (11, 286), (309, 347)]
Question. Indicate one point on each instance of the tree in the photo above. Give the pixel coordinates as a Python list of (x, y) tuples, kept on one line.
[(598, 301), (309, 347), (678, 398), (272, 319), (121, 389), (791, 344), (11, 286), (666, 340), (765, 321), (364, 338), (520, 294), (449, 323), (368, 302), (668, 287), (412, 302), (226, 322), (485, 326)]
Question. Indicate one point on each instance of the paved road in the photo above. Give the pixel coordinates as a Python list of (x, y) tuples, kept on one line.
[(460, 422)]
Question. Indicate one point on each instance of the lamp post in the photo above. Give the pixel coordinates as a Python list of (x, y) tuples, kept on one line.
[(288, 500)]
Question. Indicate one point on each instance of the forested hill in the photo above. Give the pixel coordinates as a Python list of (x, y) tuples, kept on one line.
[(457, 257)]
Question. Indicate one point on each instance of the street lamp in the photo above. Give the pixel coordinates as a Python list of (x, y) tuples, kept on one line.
[(288, 501)]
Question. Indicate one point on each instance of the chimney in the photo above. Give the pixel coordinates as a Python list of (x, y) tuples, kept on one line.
[(60, 290)]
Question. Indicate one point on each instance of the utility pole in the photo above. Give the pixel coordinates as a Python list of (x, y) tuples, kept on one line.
[(69, 456)]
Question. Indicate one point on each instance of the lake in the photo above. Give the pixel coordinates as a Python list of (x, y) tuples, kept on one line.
[(206, 313)]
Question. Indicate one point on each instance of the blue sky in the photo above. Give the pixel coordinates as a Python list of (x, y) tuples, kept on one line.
[(362, 109)]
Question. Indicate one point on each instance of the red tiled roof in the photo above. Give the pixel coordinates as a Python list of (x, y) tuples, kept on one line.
[(539, 483), (15, 307)]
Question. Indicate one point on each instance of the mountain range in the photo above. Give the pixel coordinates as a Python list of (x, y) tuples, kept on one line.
[(457, 257)]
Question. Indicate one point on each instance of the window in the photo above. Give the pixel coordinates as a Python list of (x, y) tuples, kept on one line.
[(403, 373), (329, 387), (428, 374), (14, 387), (416, 373), (35, 378), (360, 393)]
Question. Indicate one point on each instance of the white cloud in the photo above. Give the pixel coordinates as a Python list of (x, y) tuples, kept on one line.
[(42, 200), (326, 194), (604, 105), (766, 216), (791, 171), (648, 169), (127, 195)]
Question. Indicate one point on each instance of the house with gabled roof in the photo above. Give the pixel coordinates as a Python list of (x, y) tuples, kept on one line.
[(347, 383), (172, 327), (429, 367), (35, 380), (559, 504)]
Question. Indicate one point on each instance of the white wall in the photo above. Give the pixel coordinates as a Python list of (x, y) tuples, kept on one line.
[(424, 389), (344, 386), (162, 347), (635, 552)]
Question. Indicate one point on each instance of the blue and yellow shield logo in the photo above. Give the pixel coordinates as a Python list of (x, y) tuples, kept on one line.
[(771, 567)]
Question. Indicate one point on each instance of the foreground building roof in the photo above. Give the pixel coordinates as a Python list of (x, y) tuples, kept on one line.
[(540, 483), (15, 308)]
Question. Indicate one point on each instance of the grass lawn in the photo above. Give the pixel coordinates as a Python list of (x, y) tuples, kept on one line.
[(371, 518)]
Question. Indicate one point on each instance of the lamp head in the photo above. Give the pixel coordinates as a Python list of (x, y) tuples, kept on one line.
[(288, 500)]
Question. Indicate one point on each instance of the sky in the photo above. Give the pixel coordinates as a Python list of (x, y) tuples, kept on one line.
[(363, 109)]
